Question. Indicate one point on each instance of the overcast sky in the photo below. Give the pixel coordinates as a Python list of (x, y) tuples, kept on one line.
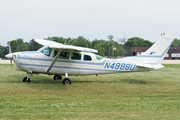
[(93, 19)]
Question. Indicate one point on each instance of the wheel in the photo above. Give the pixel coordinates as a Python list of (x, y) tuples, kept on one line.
[(66, 81), (57, 77), (25, 80)]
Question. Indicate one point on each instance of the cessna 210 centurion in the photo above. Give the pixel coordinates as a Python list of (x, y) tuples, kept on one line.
[(58, 59)]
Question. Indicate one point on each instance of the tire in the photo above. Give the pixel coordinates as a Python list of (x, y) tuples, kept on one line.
[(25, 80), (57, 77), (66, 81)]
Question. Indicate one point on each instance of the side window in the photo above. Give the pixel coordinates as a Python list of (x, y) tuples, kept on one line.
[(87, 58), (63, 55), (75, 56)]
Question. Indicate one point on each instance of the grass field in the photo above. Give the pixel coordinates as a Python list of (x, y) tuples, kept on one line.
[(143, 95)]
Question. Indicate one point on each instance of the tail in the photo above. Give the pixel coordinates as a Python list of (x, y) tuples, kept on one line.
[(156, 53)]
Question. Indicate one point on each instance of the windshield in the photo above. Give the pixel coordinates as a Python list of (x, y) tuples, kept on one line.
[(45, 50), (98, 57)]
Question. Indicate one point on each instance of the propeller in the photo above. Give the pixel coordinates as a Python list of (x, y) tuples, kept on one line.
[(10, 51)]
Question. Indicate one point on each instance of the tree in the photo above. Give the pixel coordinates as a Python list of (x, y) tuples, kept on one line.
[(17, 45), (99, 48), (176, 43), (2, 52), (137, 42), (81, 41), (33, 46), (20, 44)]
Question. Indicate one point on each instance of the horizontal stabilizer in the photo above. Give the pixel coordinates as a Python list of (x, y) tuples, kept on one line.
[(150, 66)]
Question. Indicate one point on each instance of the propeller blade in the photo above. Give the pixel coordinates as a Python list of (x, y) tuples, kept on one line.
[(10, 50), (11, 63)]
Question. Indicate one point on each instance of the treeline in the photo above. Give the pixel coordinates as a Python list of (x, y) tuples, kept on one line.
[(101, 45)]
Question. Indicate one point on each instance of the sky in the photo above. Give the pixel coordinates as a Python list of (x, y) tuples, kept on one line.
[(93, 19)]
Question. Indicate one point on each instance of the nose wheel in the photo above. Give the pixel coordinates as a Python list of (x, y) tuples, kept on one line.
[(66, 81), (26, 79)]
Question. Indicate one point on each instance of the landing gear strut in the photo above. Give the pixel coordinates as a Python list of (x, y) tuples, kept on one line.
[(57, 77), (27, 79), (66, 81)]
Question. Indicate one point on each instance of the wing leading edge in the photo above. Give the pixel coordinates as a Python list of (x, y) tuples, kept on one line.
[(56, 45)]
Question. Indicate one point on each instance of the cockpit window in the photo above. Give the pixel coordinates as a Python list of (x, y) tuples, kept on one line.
[(87, 58), (45, 50), (75, 56), (98, 57)]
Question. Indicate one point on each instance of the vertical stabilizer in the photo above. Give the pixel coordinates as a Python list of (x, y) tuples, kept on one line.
[(160, 47), (156, 53)]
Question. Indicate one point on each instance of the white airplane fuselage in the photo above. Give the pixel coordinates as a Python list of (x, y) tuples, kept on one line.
[(37, 62)]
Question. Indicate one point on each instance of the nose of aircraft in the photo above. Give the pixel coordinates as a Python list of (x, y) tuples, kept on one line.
[(10, 56)]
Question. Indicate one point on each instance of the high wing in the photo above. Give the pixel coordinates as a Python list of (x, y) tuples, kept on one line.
[(56, 45)]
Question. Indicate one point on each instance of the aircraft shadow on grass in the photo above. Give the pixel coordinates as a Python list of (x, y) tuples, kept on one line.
[(47, 80), (129, 81), (133, 81)]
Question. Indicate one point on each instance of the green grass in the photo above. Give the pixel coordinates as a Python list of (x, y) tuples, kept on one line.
[(143, 95)]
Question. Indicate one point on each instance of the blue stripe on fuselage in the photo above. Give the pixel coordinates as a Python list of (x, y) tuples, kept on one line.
[(71, 67)]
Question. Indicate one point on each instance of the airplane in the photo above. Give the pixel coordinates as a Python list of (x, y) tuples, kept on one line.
[(59, 59)]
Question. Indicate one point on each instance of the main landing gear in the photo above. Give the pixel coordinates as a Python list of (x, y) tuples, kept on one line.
[(66, 81), (57, 77)]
